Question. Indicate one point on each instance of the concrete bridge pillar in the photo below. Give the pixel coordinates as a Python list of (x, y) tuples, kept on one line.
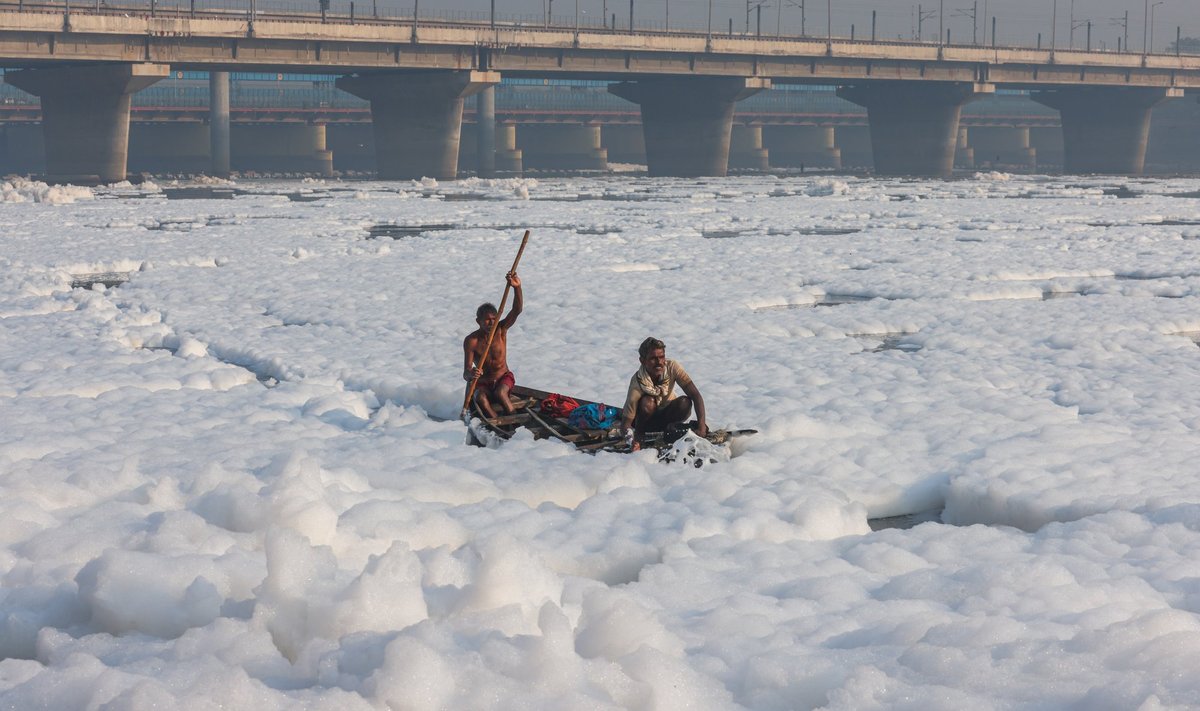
[(746, 149), (485, 133), (914, 125), (281, 148), (1003, 146), (1104, 128), (169, 147), (218, 122), (85, 116), (854, 144), (418, 119), (563, 146), (687, 121), (803, 146), (626, 143), (509, 158), (964, 153)]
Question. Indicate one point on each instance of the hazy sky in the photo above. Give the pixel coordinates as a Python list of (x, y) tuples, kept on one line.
[(1017, 21)]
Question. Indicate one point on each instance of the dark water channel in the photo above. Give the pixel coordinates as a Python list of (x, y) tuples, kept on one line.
[(904, 520), (107, 279)]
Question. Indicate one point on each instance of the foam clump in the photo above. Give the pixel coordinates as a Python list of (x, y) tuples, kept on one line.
[(826, 187), (25, 190)]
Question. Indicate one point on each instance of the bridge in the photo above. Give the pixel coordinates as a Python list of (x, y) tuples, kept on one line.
[(85, 63), (302, 123)]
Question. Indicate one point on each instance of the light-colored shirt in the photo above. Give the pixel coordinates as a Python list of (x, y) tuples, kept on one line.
[(642, 385)]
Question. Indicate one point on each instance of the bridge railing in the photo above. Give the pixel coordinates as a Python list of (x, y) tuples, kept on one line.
[(383, 11)]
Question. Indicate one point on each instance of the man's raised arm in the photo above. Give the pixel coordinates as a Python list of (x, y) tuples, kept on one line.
[(518, 301)]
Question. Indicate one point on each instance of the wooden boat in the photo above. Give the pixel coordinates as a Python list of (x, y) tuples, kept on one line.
[(527, 403)]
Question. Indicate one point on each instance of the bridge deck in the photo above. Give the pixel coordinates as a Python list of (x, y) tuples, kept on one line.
[(49, 34)]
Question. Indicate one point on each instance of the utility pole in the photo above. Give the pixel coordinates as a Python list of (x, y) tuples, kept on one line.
[(1123, 23), (922, 16), (1071, 34), (1076, 25), (872, 25), (828, 20), (971, 12)]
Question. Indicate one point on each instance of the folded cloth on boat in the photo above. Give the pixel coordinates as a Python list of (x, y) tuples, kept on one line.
[(556, 405), (593, 417)]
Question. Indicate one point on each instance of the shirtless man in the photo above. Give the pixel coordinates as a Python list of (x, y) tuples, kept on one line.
[(651, 404), (495, 379)]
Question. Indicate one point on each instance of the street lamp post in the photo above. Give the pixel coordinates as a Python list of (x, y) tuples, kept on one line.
[(941, 20), (1053, 24), (1160, 2), (1145, 25)]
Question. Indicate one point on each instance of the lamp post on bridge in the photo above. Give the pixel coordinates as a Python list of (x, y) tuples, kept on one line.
[(1145, 25), (1160, 2), (1053, 24), (941, 20), (1071, 34)]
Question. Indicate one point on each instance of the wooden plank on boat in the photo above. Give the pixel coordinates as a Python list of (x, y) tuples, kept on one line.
[(517, 418)]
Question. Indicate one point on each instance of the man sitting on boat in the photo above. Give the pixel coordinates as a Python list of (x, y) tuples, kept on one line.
[(495, 379), (651, 405)]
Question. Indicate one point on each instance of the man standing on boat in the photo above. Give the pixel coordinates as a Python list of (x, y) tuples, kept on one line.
[(495, 379), (651, 404)]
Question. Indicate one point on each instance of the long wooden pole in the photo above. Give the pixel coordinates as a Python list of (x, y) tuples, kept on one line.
[(466, 408)]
